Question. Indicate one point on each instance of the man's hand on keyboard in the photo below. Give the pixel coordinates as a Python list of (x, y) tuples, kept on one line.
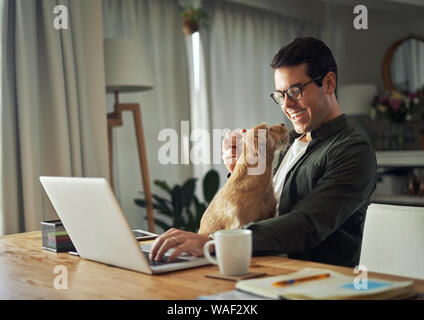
[(180, 241)]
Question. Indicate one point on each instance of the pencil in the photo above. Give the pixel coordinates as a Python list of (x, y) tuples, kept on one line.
[(297, 280)]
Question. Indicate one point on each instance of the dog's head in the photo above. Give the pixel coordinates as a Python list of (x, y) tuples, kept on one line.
[(273, 137), (259, 145), (277, 137)]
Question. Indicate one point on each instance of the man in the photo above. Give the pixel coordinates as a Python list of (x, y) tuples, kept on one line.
[(323, 181)]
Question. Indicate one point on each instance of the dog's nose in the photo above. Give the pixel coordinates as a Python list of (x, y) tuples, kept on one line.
[(283, 124)]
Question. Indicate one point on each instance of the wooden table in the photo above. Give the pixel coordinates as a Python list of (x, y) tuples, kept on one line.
[(27, 272)]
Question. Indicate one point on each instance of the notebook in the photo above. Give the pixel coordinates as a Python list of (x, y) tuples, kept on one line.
[(335, 286)]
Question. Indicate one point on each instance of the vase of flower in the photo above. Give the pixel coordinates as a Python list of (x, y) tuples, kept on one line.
[(399, 108)]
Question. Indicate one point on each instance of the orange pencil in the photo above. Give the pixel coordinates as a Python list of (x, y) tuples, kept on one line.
[(297, 280)]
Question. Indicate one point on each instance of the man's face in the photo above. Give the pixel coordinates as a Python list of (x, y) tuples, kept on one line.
[(313, 109)]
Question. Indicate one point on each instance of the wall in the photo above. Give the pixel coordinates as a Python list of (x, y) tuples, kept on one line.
[(302, 9), (365, 49), (359, 53)]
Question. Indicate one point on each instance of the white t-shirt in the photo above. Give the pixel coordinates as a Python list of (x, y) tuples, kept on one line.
[(296, 151)]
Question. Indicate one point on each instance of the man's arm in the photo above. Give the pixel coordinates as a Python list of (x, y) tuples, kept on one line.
[(348, 181)]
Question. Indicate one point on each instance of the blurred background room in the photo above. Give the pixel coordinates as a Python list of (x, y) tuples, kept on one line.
[(177, 66)]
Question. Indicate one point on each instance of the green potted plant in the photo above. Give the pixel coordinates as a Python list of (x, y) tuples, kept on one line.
[(182, 205), (193, 18)]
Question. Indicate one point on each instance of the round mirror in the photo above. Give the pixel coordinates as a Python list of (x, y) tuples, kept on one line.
[(403, 65)]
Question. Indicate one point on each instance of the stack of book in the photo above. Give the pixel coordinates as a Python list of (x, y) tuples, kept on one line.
[(55, 238)]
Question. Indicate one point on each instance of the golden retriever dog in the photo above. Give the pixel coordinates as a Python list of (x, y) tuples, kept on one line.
[(248, 195)]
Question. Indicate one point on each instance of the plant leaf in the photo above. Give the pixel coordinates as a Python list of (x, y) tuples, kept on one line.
[(188, 191), (191, 221), (163, 206), (210, 185), (163, 185), (165, 226), (142, 203), (161, 199), (177, 204), (200, 210)]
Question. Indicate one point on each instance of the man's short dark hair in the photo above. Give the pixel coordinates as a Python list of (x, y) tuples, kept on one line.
[(313, 52)]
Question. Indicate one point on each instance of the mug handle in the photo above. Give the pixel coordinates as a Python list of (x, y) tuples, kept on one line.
[(206, 252)]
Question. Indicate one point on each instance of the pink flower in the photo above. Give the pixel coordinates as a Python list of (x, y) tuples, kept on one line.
[(412, 95), (395, 104), (382, 99)]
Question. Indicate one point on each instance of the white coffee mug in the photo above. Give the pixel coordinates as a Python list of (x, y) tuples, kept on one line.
[(233, 250)]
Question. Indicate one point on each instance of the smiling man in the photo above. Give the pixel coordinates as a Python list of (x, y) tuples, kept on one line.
[(323, 181)]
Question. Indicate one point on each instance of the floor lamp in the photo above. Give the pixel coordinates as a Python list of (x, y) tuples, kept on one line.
[(127, 70)]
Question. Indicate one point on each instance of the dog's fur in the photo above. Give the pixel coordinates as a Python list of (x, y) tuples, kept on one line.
[(247, 198)]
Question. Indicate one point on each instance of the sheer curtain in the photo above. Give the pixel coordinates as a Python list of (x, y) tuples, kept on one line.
[(238, 49), (157, 25), (52, 105)]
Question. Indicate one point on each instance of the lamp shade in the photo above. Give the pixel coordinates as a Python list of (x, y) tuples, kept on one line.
[(126, 65), (356, 99)]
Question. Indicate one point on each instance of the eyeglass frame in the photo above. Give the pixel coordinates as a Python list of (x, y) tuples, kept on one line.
[(301, 86)]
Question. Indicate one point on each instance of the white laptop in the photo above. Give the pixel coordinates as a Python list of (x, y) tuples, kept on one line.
[(98, 228)]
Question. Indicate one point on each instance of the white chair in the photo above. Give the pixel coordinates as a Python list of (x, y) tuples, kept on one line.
[(393, 241)]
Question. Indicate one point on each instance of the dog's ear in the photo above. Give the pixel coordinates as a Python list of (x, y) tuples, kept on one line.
[(278, 137), (255, 144)]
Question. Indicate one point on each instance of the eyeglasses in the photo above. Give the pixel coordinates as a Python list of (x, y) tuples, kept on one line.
[(295, 92)]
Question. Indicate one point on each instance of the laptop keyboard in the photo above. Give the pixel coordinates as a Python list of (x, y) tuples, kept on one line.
[(163, 261)]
